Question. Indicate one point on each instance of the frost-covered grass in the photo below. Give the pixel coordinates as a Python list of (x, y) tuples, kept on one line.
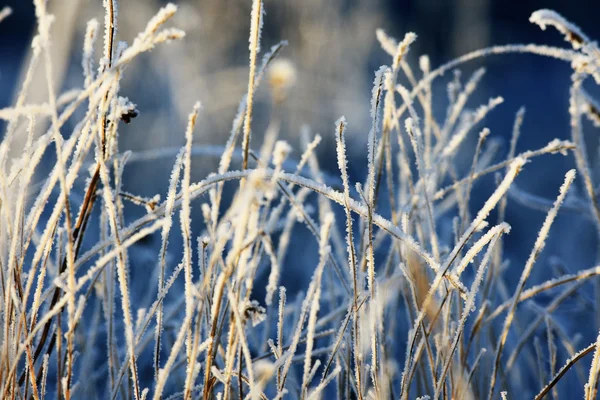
[(394, 309)]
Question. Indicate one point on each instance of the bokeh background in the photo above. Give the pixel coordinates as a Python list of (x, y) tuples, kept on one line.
[(333, 46)]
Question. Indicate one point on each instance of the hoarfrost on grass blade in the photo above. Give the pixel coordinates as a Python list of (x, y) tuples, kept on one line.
[(537, 249), (110, 28), (388, 43), (256, 22), (572, 33), (257, 18)]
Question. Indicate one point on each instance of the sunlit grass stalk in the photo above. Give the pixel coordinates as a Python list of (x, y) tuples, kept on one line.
[(537, 249), (256, 21)]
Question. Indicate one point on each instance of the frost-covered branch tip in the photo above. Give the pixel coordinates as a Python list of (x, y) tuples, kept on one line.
[(258, 12), (402, 49), (572, 33)]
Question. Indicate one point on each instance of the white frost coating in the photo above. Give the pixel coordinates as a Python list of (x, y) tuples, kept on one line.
[(147, 39), (542, 287), (83, 135), (170, 200), (376, 91), (109, 256), (314, 369), (87, 61), (402, 49), (553, 147), (546, 51), (425, 63), (306, 305), (572, 33), (110, 27), (160, 18), (340, 148), (374, 131), (280, 320), (258, 12), (324, 250), (461, 100), (219, 284), (203, 186), (251, 311), (315, 394), (430, 127), (186, 227), (414, 132), (310, 148), (591, 108), (453, 88), (274, 275), (267, 59), (514, 169), (469, 307), (573, 202), (254, 40), (122, 273), (168, 34), (388, 44), (537, 249), (340, 127), (185, 215), (280, 153), (163, 373), (479, 115), (568, 364), (230, 145), (478, 246)]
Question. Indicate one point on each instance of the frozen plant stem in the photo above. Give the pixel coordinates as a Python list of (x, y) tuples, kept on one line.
[(255, 31), (186, 227), (340, 129), (537, 249)]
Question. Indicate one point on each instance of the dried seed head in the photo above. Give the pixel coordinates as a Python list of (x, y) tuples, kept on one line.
[(280, 153), (282, 76), (127, 110), (252, 311)]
